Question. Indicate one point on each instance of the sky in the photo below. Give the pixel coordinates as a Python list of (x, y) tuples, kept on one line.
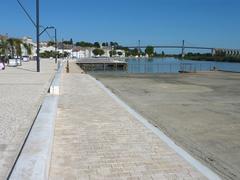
[(210, 23)]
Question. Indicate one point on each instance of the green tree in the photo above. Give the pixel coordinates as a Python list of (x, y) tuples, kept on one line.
[(163, 54), (11, 45), (98, 52), (18, 48), (149, 51), (96, 44), (51, 43), (84, 44), (114, 44), (4, 48), (28, 47), (112, 53), (15, 47), (70, 42), (134, 52)]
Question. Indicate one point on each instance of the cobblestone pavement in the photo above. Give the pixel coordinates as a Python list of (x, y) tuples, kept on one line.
[(21, 93), (96, 138)]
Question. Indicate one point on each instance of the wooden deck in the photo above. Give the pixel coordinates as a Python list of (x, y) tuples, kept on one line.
[(102, 64)]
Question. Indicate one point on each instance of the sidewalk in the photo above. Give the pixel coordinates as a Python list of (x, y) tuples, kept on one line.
[(21, 93), (96, 138)]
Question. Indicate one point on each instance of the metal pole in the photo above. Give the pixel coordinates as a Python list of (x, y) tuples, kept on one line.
[(139, 49), (63, 48), (55, 45), (37, 34)]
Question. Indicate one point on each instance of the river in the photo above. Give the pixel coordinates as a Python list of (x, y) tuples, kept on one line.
[(173, 65)]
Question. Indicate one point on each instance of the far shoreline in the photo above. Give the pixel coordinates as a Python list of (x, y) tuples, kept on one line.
[(191, 58)]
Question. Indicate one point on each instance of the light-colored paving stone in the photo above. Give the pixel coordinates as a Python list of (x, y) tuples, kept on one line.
[(21, 93), (96, 138)]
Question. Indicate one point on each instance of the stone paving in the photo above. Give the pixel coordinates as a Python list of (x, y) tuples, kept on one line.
[(21, 93), (96, 138)]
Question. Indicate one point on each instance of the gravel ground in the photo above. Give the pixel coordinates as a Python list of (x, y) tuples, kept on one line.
[(21, 93), (200, 112)]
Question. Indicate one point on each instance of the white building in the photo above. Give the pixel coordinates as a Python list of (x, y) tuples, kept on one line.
[(120, 53), (28, 40), (47, 48), (81, 52)]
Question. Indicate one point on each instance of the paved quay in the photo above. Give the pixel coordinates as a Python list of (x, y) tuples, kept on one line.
[(22, 91), (96, 138)]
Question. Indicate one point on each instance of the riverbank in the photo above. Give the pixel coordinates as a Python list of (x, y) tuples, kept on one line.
[(199, 111), (213, 58), (200, 57)]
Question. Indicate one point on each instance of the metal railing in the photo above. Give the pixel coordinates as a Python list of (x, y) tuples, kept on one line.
[(169, 67)]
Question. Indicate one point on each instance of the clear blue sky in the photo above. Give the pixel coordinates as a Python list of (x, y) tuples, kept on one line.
[(214, 23)]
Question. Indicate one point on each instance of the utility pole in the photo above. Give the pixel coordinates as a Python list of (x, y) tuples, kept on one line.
[(56, 45), (183, 48), (37, 34), (37, 27)]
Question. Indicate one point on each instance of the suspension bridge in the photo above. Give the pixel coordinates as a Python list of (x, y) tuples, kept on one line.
[(183, 47)]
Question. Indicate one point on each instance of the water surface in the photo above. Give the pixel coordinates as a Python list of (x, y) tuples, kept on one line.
[(174, 65)]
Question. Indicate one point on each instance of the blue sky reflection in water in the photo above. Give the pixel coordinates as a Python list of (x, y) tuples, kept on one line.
[(173, 65)]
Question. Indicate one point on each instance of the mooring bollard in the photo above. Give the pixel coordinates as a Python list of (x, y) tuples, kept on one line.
[(67, 68)]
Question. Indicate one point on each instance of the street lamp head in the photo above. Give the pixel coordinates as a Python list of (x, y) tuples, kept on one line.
[(51, 27)]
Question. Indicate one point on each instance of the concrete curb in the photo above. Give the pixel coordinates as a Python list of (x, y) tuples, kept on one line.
[(185, 155), (54, 88), (34, 160)]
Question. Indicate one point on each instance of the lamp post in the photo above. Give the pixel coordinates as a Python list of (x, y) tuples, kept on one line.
[(56, 46), (55, 30), (38, 35)]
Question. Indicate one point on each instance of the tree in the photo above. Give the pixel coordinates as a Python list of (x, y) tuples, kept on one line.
[(101, 52), (134, 52), (103, 44), (163, 54), (4, 48), (28, 47), (18, 48), (84, 44), (66, 54), (11, 45), (96, 44), (149, 51), (70, 42), (112, 53), (51, 43), (114, 44), (98, 52), (15, 46)]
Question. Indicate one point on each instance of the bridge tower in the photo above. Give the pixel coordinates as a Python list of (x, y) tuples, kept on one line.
[(183, 48), (139, 48), (213, 51)]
